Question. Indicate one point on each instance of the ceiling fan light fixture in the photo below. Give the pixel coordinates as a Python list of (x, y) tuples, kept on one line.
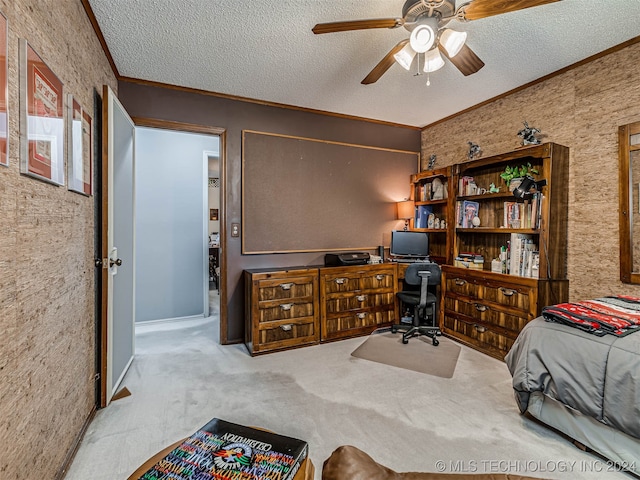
[(453, 41), (433, 60), (405, 56), (422, 38)]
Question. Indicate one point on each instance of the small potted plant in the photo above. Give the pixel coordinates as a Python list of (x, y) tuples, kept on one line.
[(512, 176)]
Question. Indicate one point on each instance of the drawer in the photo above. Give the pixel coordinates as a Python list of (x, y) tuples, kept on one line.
[(352, 279), (479, 336), (487, 312), (276, 335), (284, 310), (356, 323), (516, 296), (358, 301), (284, 288)]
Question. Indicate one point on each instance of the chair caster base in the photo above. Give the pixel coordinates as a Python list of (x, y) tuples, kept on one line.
[(405, 340), (435, 342)]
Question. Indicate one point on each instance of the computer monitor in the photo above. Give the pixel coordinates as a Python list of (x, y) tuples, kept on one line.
[(408, 244)]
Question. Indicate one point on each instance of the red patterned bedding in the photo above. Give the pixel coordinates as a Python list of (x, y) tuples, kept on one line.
[(616, 315)]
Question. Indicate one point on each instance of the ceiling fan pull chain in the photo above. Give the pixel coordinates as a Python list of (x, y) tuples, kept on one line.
[(428, 81)]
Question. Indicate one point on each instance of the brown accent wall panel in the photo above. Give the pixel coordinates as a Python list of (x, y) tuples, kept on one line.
[(306, 195), (195, 107)]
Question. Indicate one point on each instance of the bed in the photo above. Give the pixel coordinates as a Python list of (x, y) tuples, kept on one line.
[(582, 382)]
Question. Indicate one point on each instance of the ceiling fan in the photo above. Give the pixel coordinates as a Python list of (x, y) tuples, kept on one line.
[(427, 21)]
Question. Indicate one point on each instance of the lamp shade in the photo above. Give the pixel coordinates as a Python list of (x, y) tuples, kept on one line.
[(453, 41), (405, 56), (433, 60), (406, 209)]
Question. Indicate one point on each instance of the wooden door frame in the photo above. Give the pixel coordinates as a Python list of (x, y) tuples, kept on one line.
[(165, 125)]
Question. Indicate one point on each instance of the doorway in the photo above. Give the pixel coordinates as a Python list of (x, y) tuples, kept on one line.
[(172, 224), (110, 341)]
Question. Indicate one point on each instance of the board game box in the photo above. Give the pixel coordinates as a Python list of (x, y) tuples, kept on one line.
[(224, 450)]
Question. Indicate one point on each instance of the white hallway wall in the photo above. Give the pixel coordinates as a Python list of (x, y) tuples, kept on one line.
[(171, 222)]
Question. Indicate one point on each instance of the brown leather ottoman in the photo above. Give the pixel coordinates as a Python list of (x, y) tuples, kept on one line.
[(350, 463)]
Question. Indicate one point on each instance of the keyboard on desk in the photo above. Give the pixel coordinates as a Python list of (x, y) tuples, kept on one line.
[(409, 260)]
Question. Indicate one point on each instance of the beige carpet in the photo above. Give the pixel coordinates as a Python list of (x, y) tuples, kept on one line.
[(418, 355)]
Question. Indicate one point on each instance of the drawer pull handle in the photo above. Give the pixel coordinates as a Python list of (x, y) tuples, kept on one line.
[(286, 286), (480, 328), (508, 292), (379, 277), (286, 328), (361, 298), (361, 315), (340, 281), (460, 282), (286, 306), (480, 307)]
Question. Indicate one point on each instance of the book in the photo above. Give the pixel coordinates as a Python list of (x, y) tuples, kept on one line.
[(524, 257), (422, 216), (225, 450), (469, 211)]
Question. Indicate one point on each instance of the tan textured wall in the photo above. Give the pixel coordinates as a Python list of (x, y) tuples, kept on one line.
[(47, 319), (581, 109)]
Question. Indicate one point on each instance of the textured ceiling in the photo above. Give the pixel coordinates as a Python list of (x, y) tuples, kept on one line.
[(265, 50)]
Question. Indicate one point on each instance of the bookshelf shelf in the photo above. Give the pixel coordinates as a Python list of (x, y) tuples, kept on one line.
[(433, 193), (499, 230)]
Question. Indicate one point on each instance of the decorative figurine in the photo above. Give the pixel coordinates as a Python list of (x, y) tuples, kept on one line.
[(528, 135), (432, 161), (474, 151), (493, 188)]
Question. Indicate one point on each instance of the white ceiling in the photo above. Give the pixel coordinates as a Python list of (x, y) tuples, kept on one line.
[(265, 50)]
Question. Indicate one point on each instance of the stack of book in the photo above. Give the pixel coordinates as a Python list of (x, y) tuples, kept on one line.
[(472, 261), (525, 214), (524, 257)]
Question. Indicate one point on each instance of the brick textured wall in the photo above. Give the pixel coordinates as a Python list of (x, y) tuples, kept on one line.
[(581, 109), (47, 351)]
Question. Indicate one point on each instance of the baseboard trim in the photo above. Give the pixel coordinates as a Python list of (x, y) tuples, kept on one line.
[(64, 468), (172, 319)]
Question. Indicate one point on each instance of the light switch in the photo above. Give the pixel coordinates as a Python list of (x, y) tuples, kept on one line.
[(235, 229)]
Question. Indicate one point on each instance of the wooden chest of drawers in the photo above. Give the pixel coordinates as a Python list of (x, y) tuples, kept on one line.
[(281, 309), (487, 311), (356, 300)]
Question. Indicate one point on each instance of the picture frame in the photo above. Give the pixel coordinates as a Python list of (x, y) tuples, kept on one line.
[(4, 90), (42, 124), (79, 148), (213, 214)]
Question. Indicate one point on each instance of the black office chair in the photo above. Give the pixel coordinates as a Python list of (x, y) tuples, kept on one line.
[(424, 300)]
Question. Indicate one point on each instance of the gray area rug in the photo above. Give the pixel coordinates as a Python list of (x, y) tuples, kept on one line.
[(419, 354)]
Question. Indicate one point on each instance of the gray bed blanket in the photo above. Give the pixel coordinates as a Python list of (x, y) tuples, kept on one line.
[(598, 376)]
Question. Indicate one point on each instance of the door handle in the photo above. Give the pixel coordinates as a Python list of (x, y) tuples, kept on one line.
[(114, 261)]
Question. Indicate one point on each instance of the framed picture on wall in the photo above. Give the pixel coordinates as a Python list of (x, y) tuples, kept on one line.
[(4, 91), (41, 119), (79, 147)]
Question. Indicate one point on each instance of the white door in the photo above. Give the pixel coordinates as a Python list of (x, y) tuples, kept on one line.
[(118, 253)]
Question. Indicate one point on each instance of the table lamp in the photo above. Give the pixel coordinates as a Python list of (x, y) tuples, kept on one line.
[(406, 211)]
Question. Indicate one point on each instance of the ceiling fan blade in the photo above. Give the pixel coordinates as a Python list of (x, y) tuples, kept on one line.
[(384, 64), (486, 8), (357, 25), (466, 60)]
